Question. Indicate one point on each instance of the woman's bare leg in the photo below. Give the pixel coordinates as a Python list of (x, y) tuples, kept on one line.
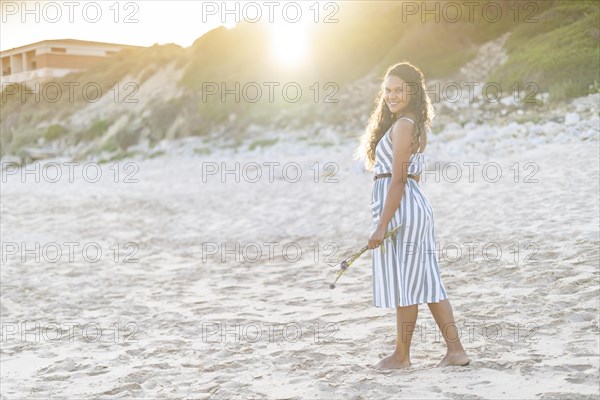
[(406, 318), (442, 313)]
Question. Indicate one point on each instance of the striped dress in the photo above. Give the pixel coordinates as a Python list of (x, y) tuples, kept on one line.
[(405, 270)]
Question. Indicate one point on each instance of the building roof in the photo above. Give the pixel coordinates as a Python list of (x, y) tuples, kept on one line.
[(68, 41)]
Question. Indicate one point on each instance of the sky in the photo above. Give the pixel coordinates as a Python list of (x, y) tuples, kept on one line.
[(141, 23), (147, 22)]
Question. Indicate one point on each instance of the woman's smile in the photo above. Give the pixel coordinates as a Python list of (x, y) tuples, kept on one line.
[(395, 96), (392, 104)]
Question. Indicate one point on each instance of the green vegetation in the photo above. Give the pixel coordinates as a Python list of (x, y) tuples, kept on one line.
[(117, 156), (560, 53), (109, 146), (436, 129), (262, 143), (521, 119), (20, 138), (441, 48), (55, 131), (202, 150), (97, 129), (157, 154), (325, 144), (235, 144)]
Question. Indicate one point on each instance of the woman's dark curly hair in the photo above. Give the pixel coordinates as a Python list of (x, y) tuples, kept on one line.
[(382, 119)]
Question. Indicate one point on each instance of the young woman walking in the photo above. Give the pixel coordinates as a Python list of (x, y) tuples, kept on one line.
[(405, 270)]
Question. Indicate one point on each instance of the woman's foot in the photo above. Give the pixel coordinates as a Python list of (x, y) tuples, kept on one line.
[(393, 362), (455, 358)]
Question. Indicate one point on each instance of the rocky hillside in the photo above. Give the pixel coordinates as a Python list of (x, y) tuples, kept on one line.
[(153, 98)]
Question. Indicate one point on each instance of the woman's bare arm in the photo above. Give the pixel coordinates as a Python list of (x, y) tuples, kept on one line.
[(401, 151)]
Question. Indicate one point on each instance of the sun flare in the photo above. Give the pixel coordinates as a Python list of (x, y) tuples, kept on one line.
[(289, 43)]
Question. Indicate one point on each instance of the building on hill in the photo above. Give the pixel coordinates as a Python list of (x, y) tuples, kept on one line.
[(49, 59)]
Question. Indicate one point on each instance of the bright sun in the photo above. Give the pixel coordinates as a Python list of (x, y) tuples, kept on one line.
[(289, 43)]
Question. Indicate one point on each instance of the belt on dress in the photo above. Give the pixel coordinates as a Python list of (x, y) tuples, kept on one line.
[(388, 174)]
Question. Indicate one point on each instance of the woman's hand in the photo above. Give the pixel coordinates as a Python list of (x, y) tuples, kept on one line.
[(376, 237)]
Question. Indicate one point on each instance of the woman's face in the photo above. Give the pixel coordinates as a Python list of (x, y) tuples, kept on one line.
[(396, 93)]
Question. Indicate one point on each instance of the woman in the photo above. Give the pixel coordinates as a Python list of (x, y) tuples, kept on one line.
[(405, 269)]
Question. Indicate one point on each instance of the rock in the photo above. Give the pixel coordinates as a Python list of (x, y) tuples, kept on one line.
[(513, 129), (470, 125), (507, 101), (562, 138), (536, 140), (536, 130), (594, 122), (551, 128), (588, 134), (571, 119)]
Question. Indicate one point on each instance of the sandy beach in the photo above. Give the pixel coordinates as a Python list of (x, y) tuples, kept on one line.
[(171, 220), (165, 311)]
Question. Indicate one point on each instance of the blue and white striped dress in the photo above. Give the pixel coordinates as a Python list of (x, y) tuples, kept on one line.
[(406, 270)]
